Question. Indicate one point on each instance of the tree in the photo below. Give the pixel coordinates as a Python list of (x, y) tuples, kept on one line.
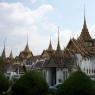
[(32, 83), (77, 84), (4, 83), (2, 64), (1, 60)]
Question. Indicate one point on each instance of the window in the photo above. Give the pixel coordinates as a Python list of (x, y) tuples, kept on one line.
[(88, 44), (89, 70), (94, 71), (65, 75)]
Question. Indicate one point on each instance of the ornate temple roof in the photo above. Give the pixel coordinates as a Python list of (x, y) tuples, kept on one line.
[(85, 36), (84, 45), (76, 47), (48, 52), (56, 59), (26, 53), (10, 59)]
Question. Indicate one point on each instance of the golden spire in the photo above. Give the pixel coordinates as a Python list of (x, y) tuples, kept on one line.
[(11, 54), (84, 36), (27, 47), (4, 53), (50, 45), (84, 26), (58, 52), (58, 45)]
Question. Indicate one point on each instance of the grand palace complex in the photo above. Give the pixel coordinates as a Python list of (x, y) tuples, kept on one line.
[(56, 65)]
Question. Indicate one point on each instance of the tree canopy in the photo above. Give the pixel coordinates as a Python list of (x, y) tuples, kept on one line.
[(77, 84), (4, 83), (32, 83), (1, 60)]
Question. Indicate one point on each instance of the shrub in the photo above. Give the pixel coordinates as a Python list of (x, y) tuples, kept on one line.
[(77, 84), (4, 83), (32, 83)]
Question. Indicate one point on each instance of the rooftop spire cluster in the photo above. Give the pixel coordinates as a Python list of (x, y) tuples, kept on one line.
[(83, 36), (58, 44)]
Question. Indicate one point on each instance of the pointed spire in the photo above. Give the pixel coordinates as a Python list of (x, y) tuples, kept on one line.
[(27, 41), (11, 54), (84, 36), (27, 47), (4, 53), (85, 25), (50, 45), (58, 45)]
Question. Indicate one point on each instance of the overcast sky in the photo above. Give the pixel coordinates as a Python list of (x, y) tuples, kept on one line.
[(40, 19)]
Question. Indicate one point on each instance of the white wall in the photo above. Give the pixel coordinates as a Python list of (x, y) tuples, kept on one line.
[(61, 74), (87, 65), (47, 75)]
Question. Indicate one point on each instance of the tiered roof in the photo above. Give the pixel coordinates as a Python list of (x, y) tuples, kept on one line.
[(26, 53), (85, 36), (56, 60)]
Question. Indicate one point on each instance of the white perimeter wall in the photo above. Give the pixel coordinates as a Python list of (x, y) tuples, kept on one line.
[(87, 65)]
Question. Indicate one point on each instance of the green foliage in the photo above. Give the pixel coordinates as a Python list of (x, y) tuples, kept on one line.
[(4, 83), (7, 93), (1, 64), (77, 84), (32, 83), (1, 60)]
